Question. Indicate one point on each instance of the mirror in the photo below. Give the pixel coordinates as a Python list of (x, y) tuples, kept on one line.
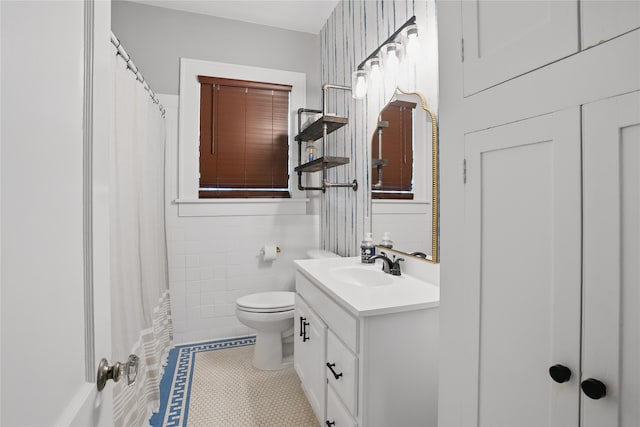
[(404, 176)]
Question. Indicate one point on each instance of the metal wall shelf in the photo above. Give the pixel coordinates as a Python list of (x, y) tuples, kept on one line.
[(313, 132), (325, 162), (319, 129), (378, 162)]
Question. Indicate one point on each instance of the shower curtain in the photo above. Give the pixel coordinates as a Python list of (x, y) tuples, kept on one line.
[(141, 318)]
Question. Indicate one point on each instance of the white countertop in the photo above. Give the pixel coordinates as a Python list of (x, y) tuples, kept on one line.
[(406, 293)]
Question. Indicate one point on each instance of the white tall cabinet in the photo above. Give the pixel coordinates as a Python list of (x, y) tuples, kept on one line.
[(611, 285), (540, 123)]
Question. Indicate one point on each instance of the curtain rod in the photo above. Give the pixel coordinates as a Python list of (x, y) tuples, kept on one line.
[(131, 66)]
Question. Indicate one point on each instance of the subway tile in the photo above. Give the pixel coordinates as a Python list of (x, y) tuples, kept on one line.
[(192, 261), (207, 298), (193, 287), (193, 301), (192, 274), (177, 287), (177, 275), (207, 311), (213, 285), (206, 272)]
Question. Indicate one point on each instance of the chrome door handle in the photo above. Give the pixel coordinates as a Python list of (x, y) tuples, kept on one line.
[(115, 372)]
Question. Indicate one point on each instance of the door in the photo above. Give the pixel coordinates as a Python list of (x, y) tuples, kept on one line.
[(522, 270), (504, 39), (50, 347), (611, 330)]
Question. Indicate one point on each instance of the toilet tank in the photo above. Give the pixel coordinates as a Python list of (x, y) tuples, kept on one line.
[(320, 253)]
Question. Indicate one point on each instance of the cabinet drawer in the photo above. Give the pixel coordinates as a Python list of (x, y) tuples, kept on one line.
[(342, 371), (337, 414), (342, 323)]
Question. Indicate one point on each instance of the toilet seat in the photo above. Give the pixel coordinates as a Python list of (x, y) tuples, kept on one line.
[(267, 302)]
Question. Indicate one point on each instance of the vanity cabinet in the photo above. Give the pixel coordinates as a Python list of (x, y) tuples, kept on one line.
[(377, 370)]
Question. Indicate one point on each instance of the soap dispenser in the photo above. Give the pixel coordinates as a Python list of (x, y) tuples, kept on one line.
[(367, 249), (386, 240)]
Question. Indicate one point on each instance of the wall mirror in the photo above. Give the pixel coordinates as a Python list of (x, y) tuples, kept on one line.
[(404, 176)]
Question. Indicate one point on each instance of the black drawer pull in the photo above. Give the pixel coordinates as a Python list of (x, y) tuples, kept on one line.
[(330, 423), (335, 375), (304, 334), (302, 319)]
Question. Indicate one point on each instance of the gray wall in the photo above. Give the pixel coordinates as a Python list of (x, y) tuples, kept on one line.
[(157, 37)]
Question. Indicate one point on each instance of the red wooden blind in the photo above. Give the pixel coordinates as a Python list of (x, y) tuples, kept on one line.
[(397, 149), (244, 142)]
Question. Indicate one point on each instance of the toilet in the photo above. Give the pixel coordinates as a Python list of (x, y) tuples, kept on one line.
[(270, 314)]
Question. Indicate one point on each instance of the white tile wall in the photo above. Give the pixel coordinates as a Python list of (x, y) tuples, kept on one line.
[(215, 260)]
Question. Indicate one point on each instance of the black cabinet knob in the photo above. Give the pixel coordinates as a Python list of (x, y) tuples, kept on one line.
[(594, 388), (560, 373), (330, 423)]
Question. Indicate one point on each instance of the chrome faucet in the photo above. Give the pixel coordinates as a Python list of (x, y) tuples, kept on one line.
[(388, 266)]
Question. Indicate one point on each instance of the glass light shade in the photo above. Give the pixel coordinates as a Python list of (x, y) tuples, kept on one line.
[(375, 71), (359, 84), (391, 58), (411, 43)]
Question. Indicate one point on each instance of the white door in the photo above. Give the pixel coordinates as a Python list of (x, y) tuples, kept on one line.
[(522, 270), (48, 371), (611, 329), (504, 39), (602, 20)]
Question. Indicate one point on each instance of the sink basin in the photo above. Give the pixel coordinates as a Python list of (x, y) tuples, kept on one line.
[(361, 276)]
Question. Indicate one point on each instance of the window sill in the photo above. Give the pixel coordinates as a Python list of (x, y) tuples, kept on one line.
[(240, 207)]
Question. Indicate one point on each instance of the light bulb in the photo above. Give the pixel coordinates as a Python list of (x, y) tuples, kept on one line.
[(411, 43), (391, 62), (375, 71), (359, 84)]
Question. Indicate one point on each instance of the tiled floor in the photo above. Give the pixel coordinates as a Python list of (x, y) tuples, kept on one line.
[(214, 384)]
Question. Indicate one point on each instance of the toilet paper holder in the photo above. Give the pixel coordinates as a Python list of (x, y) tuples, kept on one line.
[(268, 252)]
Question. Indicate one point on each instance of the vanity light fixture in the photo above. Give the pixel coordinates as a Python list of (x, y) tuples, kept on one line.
[(411, 43), (386, 59), (374, 68), (359, 84)]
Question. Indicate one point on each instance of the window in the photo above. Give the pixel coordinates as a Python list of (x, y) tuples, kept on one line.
[(397, 150), (244, 149)]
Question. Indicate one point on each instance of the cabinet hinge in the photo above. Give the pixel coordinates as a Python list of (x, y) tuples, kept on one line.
[(464, 171), (462, 49)]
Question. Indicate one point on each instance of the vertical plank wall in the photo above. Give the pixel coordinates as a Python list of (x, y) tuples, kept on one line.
[(353, 31)]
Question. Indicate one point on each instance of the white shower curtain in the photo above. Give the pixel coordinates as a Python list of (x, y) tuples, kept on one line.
[(141, 318)]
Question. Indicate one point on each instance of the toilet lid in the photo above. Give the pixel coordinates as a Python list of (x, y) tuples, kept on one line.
[(266, 302)]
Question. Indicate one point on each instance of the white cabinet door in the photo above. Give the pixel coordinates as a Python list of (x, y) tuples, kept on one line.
[(310, 338), (522, 270), (611, 330), (602, 20), (504, 39)]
